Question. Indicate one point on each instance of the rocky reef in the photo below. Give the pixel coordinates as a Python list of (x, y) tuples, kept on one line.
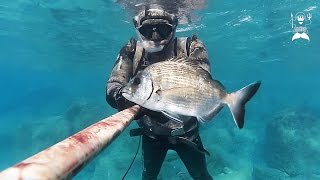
[(291, 147)]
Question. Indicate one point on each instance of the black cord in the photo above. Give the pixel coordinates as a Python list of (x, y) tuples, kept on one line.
[(132, 159)]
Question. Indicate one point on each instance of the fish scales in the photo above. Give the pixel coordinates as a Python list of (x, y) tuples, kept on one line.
[(178, 76)]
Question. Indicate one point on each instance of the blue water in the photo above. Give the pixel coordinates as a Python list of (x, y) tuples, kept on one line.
[(57, 55)]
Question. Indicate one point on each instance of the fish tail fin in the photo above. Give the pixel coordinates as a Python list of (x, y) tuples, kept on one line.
[(236, 102)]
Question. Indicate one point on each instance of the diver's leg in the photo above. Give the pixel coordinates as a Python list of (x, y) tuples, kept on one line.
[(194, 160), (154, 152)]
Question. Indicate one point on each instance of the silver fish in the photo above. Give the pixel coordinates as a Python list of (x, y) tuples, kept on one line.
[(182, 88)]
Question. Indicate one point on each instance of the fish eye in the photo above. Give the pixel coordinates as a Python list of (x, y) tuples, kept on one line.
[(136, 81)]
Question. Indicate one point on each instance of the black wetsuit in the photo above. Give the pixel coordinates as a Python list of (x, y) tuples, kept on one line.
[(160, 133)]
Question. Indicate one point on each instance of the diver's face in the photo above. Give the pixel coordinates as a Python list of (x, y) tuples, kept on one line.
[(152, 46), (155, 34)]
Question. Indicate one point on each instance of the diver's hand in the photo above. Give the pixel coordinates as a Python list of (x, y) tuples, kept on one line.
[(122, 102), (118, 94)]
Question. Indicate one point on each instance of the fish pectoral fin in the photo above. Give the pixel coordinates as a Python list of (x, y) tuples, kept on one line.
[(214, 111), (172, 116)]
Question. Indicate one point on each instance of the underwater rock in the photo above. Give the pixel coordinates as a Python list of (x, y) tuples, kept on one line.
[(216, 164), (82, 113), (36, 132), (42, 132), (263, 172), (173, 168), (74, 116), (114, 161), (230, 148), (292, 143), (227, 170), (74, 110)]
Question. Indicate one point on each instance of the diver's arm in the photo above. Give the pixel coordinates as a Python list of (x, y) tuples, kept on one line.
[(120, 75), (199, 53)]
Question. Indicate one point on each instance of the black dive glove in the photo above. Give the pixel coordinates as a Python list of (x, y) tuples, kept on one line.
[(118, 94), (122, 103)]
